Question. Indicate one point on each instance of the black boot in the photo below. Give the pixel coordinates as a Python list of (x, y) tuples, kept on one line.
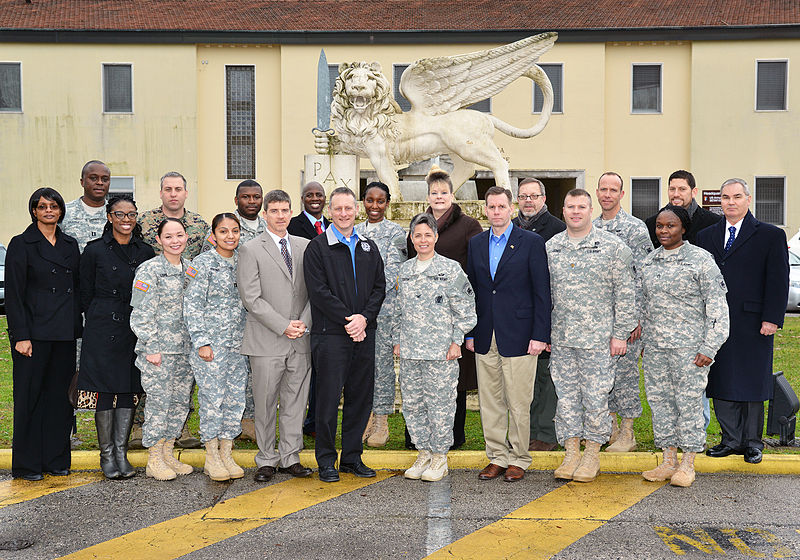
[(104, 422), (123, 420)]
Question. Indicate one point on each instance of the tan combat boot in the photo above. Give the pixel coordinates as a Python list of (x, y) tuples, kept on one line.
[(572, 459), (380, 431), (225, 449), (666, 469), (437, 470), (684, 476), (614, 428), (248, 429), (214, 467), (590, 463), (369, 428), (156, 468), (414, 472), (626, 439), (172, 462)]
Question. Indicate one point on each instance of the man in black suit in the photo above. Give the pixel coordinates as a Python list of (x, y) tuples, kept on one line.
[(309, 223), (681, 191), (346, 286), (534, 216), (754, 261)]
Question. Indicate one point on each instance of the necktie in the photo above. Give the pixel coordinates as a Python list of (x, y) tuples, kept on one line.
[(287, 258), (731, 238), (318, 226)]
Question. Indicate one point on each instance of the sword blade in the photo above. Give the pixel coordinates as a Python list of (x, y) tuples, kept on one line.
[(323, 93)]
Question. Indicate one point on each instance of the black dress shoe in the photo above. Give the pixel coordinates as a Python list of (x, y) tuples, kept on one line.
[(328, 474), (752, 455), (297, 470), (58, 472), (33, 477), (264, 474), (359, 469), (722, 450)]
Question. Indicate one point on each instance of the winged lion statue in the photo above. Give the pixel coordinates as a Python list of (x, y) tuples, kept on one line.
[(368, 122)]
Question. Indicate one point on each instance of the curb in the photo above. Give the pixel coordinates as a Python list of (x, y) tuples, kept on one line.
[(542, 461)]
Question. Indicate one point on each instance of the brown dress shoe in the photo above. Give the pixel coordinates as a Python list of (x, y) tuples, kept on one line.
[(539, 445), (513, 473), (297, 470), (491, 471), (264, 474)]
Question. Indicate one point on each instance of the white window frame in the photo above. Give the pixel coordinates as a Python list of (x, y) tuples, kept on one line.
[(755, 194), (660, 110), (21, 93), (755, 86), (533, 90), (255, 117), (644, 178), (133, 184), (103, 88)]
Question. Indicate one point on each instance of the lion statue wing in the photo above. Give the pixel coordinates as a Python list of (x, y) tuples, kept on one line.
[(443, 84)]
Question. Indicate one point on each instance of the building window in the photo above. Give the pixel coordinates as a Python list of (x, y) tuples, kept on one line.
[(484, 106), (122, 185), (333, 72), (117, 88), (646, 88), (11, 86), (645, 197), (771, 85), (555, 72), (240, 115), (770, 199)]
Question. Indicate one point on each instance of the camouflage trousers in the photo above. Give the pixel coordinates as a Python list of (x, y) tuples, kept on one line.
[(624, 398), (583, 380), (383, 396), (249, 405), (168, 388), (429, 402), (220, 392), (675, 388)]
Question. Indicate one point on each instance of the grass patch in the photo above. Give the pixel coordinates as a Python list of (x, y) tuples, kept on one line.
[(787, 359)]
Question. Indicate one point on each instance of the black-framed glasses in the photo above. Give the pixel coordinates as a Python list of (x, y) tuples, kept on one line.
[(120, 215), (528, 196)]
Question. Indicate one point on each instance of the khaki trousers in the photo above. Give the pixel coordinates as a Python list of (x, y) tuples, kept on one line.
[(505, 389)]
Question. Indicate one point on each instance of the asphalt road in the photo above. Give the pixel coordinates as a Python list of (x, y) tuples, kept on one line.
[(618, 516)]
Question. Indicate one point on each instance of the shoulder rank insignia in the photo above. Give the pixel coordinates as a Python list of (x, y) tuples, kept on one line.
[(191, 271), (143, 286)]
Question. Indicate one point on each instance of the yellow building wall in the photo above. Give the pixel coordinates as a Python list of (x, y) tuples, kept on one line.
[(62, 124), (729, 137), (647, 145)]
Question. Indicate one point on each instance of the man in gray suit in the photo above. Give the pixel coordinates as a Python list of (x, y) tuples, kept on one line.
[(273, 290)]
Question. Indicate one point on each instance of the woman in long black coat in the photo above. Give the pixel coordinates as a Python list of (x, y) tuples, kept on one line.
[(107, 358), (44, 321)]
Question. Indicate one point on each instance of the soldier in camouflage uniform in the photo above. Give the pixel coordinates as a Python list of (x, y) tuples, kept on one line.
[(685, 323), (215, 319), (162, 349), (248, 199), (435, 307), (624, 398), (173, 193), (593, 294), (391, 241)]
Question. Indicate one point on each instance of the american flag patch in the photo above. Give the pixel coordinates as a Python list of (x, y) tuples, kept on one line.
[(139, 285), (192, 272)]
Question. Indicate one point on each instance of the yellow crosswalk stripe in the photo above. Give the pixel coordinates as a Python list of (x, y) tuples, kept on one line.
[(16, 491), (182, 535), (547, 525)]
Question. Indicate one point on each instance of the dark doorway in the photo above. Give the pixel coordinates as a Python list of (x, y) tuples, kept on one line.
[(556, 189)]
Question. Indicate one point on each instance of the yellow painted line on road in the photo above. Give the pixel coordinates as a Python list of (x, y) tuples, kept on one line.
[(16, 491), (187, 533), (549, 524)]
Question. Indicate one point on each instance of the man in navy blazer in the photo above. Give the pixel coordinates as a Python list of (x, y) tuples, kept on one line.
[(507, 266), (754, 261)]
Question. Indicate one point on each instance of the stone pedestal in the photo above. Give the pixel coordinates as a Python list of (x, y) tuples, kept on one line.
[(333, 171)]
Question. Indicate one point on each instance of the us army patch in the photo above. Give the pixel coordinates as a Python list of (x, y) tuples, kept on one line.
[(191, 271), (143, 286)]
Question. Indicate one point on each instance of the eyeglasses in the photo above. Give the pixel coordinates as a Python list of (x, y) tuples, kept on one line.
[(43, 207), (528, 196), (121, 215)]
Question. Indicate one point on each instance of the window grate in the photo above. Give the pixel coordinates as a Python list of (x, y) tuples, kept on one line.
[(646, 93), (555, 73), (771, 86), (769, 199), (10, 86), (117, 88), (240, 121), (645, 197)]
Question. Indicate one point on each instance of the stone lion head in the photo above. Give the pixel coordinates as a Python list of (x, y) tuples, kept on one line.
[(362, 99)]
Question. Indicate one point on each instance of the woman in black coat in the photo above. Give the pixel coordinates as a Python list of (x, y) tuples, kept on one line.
[(44, 321), (107, 358)]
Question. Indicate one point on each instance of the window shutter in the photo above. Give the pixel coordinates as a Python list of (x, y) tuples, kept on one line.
[(771, 86)]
